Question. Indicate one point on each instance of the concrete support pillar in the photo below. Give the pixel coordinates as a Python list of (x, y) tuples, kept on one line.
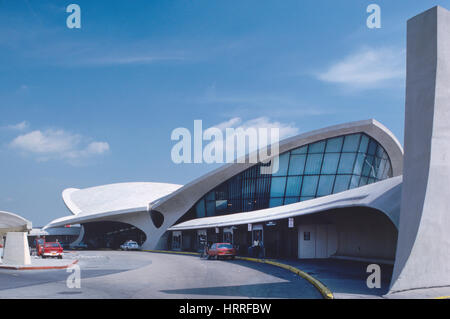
[(17, 251), (423, 249)]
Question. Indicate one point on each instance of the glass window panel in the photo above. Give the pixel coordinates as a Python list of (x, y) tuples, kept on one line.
[(291, 200), (380, 152), (363, 181), (302, 199), (372, 147), (325, 185), (211, 196), (274, 202), (346, 163), (341, 183), (388, 170), (330, 163), (301, 150), (248, 187), (221, 205), (359, 164), (297, 164), (376, 165), (334, 144), (294, 183), (370, 181), (283, 167), (278, 186), (351, 143), (368, 168), (364, 144), (318, 147), (381, 168), (200, 208), (309, 185), (354, 181), (210, 208), (389, 174), (313, 163)]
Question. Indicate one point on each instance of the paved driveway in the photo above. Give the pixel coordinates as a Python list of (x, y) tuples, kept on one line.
[(116, 274)]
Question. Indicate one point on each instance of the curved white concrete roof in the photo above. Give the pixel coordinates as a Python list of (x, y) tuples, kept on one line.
[(108, 200), (383, 196), (10, 222), (180, 201)]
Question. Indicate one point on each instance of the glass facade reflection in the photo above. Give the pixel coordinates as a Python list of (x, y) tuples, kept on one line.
[(318, 169)]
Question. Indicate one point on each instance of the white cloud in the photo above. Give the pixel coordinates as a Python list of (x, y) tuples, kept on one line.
[(19, 126), (58, 144), (367, 68)]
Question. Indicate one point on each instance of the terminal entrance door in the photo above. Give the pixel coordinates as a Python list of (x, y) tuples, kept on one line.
[(316, 241), (176, 240), (202, 239), (257, 235), (228, 235), (306, 241)]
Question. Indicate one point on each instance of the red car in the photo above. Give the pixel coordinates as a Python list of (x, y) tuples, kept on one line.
[(52, 250), (219, 250)]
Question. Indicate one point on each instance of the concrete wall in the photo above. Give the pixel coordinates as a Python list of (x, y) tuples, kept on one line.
[(17, 251), (423, 253), (361, 232)]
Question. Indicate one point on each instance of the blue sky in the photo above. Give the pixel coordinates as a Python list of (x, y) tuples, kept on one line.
[(97, 105)]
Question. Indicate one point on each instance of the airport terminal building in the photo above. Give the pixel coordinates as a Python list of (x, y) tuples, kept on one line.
[(336, 193), (346, 191)]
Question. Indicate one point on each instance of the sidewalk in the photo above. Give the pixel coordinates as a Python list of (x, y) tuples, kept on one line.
[(346, 279), (42, 264)]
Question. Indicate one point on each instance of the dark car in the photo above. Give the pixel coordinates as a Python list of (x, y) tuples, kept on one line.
[(222, 250)]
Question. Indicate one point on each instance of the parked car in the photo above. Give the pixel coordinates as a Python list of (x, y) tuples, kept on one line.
[(130, 245), (222, 250), (39, 246), (52, 250)]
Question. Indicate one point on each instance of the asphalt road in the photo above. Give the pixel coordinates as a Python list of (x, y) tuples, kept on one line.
[(116, 274)]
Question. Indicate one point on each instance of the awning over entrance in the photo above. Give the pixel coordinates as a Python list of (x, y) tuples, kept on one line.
[(383, 196)]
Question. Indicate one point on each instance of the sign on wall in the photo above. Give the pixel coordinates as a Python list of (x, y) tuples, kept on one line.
[(291, 222)]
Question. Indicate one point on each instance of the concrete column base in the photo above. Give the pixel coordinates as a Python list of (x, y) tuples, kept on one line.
[(16, 250)]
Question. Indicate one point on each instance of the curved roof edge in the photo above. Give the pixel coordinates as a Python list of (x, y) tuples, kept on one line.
[(114, 191), (80, 219), (71, 206), (184, 198), (383, 196), (13, 222)]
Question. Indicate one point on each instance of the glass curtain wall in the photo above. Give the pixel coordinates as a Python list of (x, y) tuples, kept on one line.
[(318, 169)]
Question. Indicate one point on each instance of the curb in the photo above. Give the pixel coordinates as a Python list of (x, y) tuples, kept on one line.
[(39, 267), (172, 252), (324, 290)]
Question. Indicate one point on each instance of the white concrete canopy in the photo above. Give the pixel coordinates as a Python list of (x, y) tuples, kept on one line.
[(15, 228), (10, 222)]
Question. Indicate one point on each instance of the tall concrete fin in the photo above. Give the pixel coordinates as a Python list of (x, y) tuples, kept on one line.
[(423, 247)]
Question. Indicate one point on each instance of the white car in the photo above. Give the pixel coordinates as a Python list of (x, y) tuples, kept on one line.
[(130, 245)]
